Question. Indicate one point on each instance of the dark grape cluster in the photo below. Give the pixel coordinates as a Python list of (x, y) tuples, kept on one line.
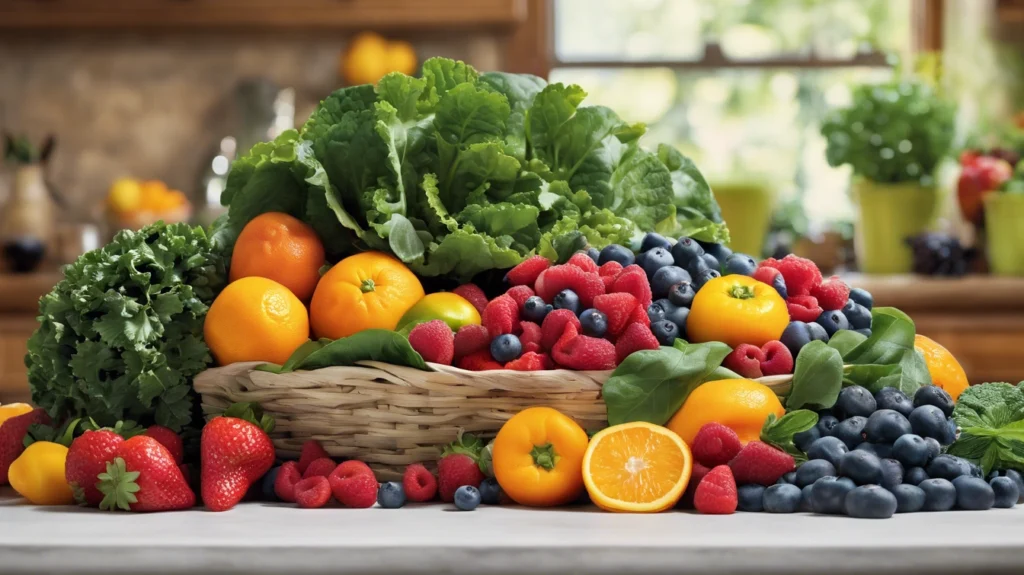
[(938, 254)]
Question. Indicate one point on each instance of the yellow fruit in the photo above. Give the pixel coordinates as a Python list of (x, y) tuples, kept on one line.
[(737, 309), (636, 467), (945, 370), (38, 474), (255, 319), (125, 196), (278, 246), (401, 58), (13, 410), (740, 404), (455, 310), (365, 60)]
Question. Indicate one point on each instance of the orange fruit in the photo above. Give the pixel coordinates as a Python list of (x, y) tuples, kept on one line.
[(279, 247), (740, 404), (945, 370), (371, 290), (636, 467), (255, 319)]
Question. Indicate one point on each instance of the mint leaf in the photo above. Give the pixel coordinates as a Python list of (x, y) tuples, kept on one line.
[(817, 377), (780, 431), (991, 418)]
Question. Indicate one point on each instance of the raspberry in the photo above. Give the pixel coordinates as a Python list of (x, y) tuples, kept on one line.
[(454, 471), (554, 326), (761, 463), (745, 360), (531, 336), (313, 492), (530, 361), (311, 451), (584, 262), (479, 361), (470, 339), (716, 493), (801, 274), (633, 281), (640, 316), (610, 268), (696, 475), (434, 341), (555, 279), (715, 444), (526, 272), (419, 484), (636, 337), (831, 293), (777, 359), (618, 307), (353, 484), (287, 477), (473, 294), (520, 294), (803, 308), (322, 467), (501, 316), (773, 277), (583, 353), (608, 282)]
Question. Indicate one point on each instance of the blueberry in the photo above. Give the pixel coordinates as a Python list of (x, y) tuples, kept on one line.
[(795, 337), (654, 240), (832, 321), (975, 469), (697, 265), (826, 424), (862, 467), (973, 493), (751, 498), (855, 400), (857, 315), (1006, 492), (851, 431), (949, 434), (705, 276), (939, 494), (505, 348), (947, 467), (594, 323), (665, 278), (593, 254), (882, 450), (783, 498), (673, 313), (909, 498), (267, 484), (567, 299), (712, 262), (788, 477), (685, 251), (870, 502), (911, 450), (862, 297), (869, 447), (391, 495), (490, 491), (741, 264), (830, 449), (616, 253), (886, 426), (467, 498), (894, 399), (1016, 477), (804, 439), (665, 331), (805, 499), (813, 470), (915, 475), (864, 332), (779, 284), (929, 421), (934, 447), (640, 259), (718, 251), (535, 310), (681, 294), (817, 332), (655, 260), (892, 473), (655, 312), (829, 493), (934, 395)]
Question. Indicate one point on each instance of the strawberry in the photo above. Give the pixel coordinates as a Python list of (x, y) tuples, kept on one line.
[(172, 441), (636, 337), (633, 280), (87, 458), (530, 361), (583, 261), (501, 316), (526, 273), (583, 353), (554, 326), (454, 471), (12, 437), (618, 307), (473, 294), (235, 453), (761, 463), (143, 476), (311, 451), (434, 341), (557, 278)]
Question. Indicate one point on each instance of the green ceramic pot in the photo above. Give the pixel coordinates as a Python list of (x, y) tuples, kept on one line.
[(747, 210), (1004, 233), (887, 214)]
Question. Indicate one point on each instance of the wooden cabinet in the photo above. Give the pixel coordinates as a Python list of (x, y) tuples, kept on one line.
[(332, 14), (14, 333)]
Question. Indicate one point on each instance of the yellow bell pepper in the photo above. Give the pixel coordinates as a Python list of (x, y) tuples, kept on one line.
[(13, 410), (38, 474)]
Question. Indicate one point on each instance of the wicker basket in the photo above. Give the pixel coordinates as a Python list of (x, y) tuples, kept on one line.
[(390, 416)]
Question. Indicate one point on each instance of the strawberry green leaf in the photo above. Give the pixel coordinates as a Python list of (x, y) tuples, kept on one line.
[(118, 486)]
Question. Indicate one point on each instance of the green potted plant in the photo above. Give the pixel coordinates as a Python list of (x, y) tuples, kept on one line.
[(893, 136), (1004, 234)]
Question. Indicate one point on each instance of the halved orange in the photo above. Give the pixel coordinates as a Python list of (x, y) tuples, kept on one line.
[(636, 468)]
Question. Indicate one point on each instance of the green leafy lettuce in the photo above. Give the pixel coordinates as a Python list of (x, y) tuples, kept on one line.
[(991, 421), (121, 336), (457, 172)]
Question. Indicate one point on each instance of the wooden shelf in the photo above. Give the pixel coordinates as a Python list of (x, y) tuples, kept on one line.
[(323, 14)]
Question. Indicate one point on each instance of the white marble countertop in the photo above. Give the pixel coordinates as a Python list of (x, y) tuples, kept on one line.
[(262, 538)]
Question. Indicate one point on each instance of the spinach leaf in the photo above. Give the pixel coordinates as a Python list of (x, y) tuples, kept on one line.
[(817, 377), (372, 344), (651, 385), (892, 343), (991, 418), (873, 377), (780, 431), (845, 340)]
